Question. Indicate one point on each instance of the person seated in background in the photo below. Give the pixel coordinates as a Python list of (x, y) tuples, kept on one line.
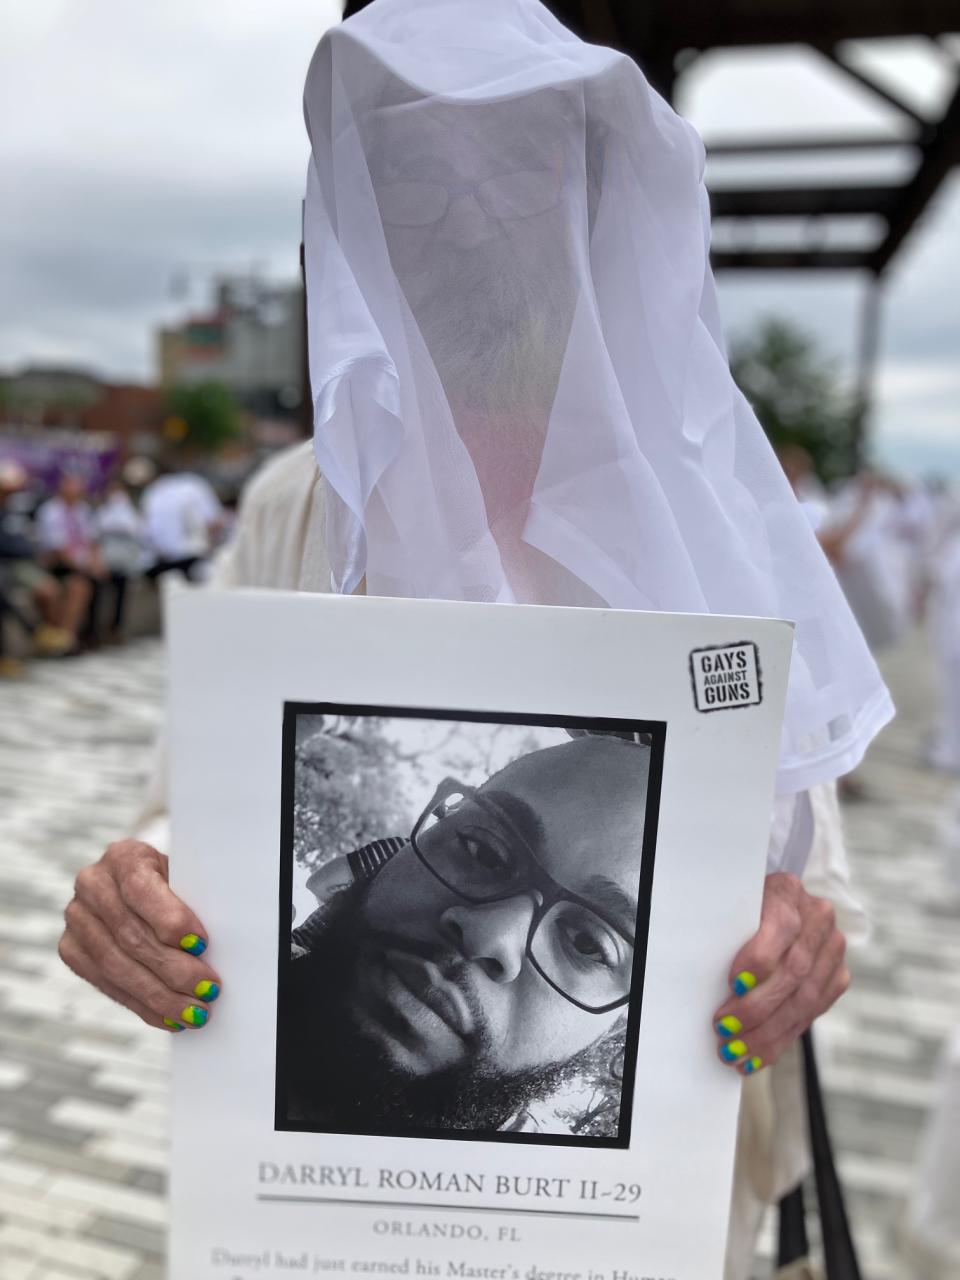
[(123, 547), (52, 628), (70, 552), (182, 516)]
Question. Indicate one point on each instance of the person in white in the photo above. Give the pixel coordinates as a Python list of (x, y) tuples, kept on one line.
[(123, 547), (521, 393), (944, 615), (181, 514), (866, 533)]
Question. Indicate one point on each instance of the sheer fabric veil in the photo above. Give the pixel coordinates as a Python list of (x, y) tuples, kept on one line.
[(520, 383)]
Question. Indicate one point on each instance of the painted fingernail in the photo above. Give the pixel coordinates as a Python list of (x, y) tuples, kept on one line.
[(193, 943), (194, 1015), (207, 990), (733, 1050), (174, 1026), (751, 1065), (728, 1026), (744, 982)]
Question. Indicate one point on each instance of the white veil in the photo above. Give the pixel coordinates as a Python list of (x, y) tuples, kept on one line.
[(520, 385)]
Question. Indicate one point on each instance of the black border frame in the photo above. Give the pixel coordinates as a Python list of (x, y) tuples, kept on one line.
[(657, 730)]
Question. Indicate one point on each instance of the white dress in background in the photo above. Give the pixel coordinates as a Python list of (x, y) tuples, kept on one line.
[(876, 571), (945, 637), (121, 534)]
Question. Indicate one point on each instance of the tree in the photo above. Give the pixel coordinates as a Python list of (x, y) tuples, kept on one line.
[(346, 791), (204, 416), (797, 395)]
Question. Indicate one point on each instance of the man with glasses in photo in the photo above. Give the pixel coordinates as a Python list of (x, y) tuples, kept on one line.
[(483, 966)]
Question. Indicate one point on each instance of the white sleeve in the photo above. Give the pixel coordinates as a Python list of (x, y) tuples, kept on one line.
[(807, 839), (791, 834), (828, 870)]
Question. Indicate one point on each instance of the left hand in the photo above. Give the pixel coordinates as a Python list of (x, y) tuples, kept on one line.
[(789, 973)]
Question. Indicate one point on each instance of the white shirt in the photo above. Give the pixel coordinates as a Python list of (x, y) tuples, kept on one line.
[(67, 528), (178, 511)]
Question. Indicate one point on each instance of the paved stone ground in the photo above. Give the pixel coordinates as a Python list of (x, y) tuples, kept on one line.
[(83, 1089)]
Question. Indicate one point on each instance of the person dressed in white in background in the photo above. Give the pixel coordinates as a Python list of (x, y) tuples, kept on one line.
[(522, 394), (943, 604), (873, 556), (182, 516), (123, 546)]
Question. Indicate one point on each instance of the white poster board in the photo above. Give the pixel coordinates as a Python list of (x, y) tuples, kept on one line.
[(483, 1046)]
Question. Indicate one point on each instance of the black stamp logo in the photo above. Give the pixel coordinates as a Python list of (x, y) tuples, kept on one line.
[(726, 676)]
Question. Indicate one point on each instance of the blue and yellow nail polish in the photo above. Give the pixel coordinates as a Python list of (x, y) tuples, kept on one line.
[(729, 1026), (751, 1065), (193, 943), (744, 982), (174, 1026), (196, 1016), (733, 1050), (207, 990)]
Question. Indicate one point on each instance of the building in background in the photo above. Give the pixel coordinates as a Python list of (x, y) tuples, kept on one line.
[(245, 356), (250, 341)]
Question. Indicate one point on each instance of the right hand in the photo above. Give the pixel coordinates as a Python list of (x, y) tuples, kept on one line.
[(127, 934)]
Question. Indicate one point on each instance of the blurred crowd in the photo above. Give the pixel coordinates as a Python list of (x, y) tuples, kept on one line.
[(68, 558), (896, 551)]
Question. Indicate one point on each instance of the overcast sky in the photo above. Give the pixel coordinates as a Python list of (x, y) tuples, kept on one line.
[(143, 142)]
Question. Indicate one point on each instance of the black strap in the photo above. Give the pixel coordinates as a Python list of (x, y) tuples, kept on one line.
[(839, 1253), (794, 1245)]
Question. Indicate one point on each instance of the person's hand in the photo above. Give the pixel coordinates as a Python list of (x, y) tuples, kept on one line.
[(131, 937), (790, 972)]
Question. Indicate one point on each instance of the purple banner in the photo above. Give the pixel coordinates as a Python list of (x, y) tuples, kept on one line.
[(47, 456)]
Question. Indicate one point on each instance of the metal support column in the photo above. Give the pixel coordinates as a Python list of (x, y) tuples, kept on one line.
[(867, 366)]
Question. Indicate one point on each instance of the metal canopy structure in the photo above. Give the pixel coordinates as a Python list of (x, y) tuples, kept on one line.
[(666, 36)]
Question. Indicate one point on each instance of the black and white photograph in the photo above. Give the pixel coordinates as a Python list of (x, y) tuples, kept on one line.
[(464, 906)]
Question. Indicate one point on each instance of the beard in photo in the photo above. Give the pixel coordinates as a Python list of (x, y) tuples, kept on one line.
[(335, 1076)]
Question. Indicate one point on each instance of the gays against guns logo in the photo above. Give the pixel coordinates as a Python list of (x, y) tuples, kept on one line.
[(726, 676)]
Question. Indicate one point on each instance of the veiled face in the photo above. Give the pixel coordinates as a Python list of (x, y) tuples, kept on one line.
[(472, 203), (475, 204)]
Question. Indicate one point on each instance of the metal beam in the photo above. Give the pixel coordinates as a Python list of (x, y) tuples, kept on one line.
[(867, 82), (791, 259), (598, 23), (787, 145), (802, 202), (707, 24), (866, 364), (664, 27), (939, 157)]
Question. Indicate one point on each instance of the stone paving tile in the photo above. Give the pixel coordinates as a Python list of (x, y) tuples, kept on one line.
[(878, 1047), (145, 1241), (83, 1087), (82, 1084)]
